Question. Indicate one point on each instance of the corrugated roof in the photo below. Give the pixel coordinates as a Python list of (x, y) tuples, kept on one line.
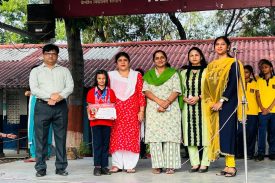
[(101, 53), (11, 54), (101, 56)]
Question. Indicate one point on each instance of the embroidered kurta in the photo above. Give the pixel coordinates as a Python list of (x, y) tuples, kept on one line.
[(166, 126), (194, 126), (125, 133)]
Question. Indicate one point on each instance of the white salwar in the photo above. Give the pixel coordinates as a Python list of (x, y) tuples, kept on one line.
[(125, 159)]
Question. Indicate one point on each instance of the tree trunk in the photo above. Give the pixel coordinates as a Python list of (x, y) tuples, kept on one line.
[(179, 26), (76, 62)]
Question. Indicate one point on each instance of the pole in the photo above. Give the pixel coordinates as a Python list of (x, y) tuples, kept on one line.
[(244, 102)]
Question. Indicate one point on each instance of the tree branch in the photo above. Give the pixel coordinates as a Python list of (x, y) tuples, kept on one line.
[(18, 31), (178, 24), (230, 22)]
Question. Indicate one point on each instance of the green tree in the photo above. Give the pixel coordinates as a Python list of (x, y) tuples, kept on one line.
[(247, 22), (13, 13), (1, 1), (129, 28)]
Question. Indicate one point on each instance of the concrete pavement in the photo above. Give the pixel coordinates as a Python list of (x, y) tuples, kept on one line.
[(81, 171)]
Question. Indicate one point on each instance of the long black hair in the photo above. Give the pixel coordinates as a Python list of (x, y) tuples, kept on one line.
[(267, 62), (203, 60), (101, 71), (227, 41), (200, 68), (251, 70)]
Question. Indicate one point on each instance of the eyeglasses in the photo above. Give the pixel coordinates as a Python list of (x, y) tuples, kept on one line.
[(50, 53)]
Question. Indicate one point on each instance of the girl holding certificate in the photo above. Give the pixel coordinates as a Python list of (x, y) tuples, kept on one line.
[(101, 128)]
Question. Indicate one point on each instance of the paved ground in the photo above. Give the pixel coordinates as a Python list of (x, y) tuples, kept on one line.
[(81, 172)]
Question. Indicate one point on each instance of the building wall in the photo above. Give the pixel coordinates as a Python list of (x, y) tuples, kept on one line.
[(12, 125)]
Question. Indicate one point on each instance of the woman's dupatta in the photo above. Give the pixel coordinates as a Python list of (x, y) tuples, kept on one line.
[(151, 78)]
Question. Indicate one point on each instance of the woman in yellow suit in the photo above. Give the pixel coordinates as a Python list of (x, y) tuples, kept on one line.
[(221, 97)]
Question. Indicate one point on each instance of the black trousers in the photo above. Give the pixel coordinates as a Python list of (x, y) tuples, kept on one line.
[(251, 136), (101, 140), (44, 115)]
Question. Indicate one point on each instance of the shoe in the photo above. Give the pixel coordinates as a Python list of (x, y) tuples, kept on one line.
[(105, 171), (170, 171), (131, 170), (115, 169), (61, 172), (222, 172), (192, 170), (272, 157), (156, 170), (259, 158), (97, 171), (203, 170), (40, 173), (231, 174)]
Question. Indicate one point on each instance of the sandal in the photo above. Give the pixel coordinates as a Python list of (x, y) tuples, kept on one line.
[(192, 170), (115, 169), (30, 160), (170, 171), (156, 170), (222, 172), (231, 174), (131, 171)]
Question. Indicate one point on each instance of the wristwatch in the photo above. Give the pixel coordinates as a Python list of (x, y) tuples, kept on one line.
[(221, 100)]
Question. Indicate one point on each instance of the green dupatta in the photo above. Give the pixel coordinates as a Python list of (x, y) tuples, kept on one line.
[(151, 78)]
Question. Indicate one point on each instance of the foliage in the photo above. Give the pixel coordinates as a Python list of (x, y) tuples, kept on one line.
[(129, 28), (60, 34), (247, 22), (13, 13), (1, 1), (199, 25)]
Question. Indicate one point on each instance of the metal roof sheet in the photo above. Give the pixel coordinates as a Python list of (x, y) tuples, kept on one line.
[(15, 54), (101, 53)]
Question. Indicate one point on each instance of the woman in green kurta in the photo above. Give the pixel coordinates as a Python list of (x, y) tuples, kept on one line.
[(194, 127), (163, 116)]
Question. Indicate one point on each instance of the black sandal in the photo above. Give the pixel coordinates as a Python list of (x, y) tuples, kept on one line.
[(222, 172), (231, 174)]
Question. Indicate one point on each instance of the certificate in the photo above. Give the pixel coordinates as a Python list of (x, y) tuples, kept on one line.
[(103, 111)]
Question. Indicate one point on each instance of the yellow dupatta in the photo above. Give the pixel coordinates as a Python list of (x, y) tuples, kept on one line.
[(215, 84)]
